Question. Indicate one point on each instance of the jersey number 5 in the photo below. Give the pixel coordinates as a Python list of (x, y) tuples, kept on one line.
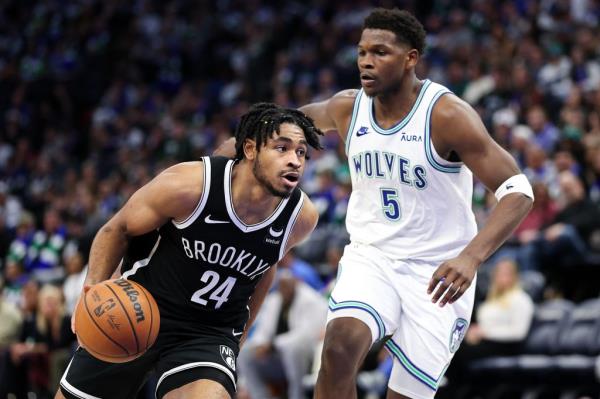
[(219, 294), (391, 206)]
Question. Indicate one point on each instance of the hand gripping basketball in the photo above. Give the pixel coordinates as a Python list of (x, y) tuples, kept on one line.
[(116, 320)]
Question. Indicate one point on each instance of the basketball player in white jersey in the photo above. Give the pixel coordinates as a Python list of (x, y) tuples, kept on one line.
[(407, 274)]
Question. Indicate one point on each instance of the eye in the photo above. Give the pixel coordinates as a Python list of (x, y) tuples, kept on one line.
[(281, 148), (380, 52), (361, 53), (301, 152)]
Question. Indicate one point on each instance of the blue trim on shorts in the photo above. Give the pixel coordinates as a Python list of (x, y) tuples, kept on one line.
[(333, 306), (411, 367)]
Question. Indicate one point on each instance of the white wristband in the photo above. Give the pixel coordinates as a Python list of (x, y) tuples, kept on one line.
[(515, 184)]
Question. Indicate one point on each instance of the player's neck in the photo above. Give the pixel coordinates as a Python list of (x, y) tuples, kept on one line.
[(394, 106), (252, 202)]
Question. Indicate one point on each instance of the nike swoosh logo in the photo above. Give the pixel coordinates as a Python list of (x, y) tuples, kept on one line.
[(208, 220), (236, 334), (361, 133), (275, 233)]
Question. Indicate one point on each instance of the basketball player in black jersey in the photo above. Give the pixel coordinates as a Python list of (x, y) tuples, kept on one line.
[(215, 227)]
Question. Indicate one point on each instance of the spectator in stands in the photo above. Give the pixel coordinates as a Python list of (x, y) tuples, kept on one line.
[(280, 348), (15, 278), (540, 169), (568, 238), (593, 175), (324, 196), (520, 140), (45, 250), (75, 271), (502, 321), (10, 206), (6, 236), (26, 369), (23, 238), (53, 324), (10, 330), (541, 215), (545, 133)]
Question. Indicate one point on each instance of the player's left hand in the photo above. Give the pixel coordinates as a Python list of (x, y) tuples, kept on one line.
[(452, 278)]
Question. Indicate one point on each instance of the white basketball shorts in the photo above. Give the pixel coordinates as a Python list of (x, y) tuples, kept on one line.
[(391, 298)]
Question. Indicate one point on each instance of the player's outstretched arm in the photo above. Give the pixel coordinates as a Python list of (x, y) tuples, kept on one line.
[(305, 224), (172, 194), (457, 127), (333, 113)]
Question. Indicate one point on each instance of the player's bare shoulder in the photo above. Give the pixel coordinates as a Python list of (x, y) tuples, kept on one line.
[(340, 108), (454, 124), (341, 104), (449, 107), (180, 188), (345, 97)]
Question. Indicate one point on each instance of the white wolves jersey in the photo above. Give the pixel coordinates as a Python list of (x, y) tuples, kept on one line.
[(406, 200)]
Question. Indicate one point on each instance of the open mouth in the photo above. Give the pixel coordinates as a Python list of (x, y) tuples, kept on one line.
[(366, 78), (291, 178)]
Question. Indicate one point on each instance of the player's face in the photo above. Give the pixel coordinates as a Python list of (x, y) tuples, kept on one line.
[(280, 162), (383, 61)]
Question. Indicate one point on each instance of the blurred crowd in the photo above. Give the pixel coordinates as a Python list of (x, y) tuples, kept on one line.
[(96, 97)]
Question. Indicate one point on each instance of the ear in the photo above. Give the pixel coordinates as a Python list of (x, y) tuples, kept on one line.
[(250, 149), (412, 58)]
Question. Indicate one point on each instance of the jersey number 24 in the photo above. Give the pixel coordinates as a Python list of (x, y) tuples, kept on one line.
[(219, 294)]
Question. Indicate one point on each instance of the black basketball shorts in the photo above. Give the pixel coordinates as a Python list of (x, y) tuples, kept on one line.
[(177, 361)]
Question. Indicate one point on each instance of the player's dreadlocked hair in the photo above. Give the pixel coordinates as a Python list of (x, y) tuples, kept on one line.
[(263, 119), (406, 27)]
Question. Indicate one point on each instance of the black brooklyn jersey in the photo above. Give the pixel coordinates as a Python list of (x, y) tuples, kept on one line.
[(203, 270)]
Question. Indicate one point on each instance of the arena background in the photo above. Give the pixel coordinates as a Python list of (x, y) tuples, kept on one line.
[(98, 96)]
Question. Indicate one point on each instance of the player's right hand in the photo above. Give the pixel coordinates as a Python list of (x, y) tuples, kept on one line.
[(86, 288), (452, 278)]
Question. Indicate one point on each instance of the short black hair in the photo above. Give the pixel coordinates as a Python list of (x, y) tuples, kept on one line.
[(264, 119), (407, 28)]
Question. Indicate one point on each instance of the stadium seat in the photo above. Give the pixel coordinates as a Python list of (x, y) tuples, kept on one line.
[(547, 322), (579, 343), (581, 330), (540, 345)]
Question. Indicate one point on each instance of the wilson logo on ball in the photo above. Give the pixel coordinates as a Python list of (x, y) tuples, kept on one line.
[(105, 320), (133, 294)]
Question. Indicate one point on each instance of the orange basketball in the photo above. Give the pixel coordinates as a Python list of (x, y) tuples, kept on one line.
[(117, 320)]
